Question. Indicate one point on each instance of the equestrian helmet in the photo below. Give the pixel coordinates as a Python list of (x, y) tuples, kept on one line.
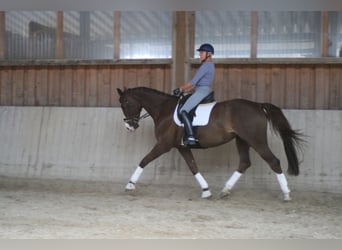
[(206, 47)]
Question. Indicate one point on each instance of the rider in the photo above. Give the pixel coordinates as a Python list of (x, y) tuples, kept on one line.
[(201, 83)]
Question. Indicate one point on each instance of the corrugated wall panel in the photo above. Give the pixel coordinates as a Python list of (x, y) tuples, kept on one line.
[(91, 144)]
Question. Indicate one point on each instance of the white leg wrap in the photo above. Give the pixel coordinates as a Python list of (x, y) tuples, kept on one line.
[(283, 185), (201, 181), (232, 180), (136, 175), (204, 185)]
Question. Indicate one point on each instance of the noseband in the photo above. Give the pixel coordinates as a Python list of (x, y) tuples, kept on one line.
[(134, 121)]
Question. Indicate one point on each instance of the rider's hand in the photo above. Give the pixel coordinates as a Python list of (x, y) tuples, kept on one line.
[(177, 91)]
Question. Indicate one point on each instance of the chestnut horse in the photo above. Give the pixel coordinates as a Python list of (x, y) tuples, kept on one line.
[(239, 119)]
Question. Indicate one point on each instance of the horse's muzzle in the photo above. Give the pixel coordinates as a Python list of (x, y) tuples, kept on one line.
[(131, 123)]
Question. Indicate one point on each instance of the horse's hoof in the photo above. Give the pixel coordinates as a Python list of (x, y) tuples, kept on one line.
[(225, 192), (287, 197), (206, 194), (130, 187)]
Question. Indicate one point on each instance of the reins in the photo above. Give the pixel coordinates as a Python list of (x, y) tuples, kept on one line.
[(144, 116), (135, 121)]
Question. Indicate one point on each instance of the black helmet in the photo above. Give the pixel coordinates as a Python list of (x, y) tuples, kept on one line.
[(206, 47)]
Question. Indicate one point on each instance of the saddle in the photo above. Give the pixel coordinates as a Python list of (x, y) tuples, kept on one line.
[(198, 116), (208, 99)]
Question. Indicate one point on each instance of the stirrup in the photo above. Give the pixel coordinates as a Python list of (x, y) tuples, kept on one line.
[(191, 141), (191, 138)]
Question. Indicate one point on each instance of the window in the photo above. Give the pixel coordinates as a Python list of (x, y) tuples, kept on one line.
[(30, 34), (146, 34), (335, 34), (88, 34), (229, 32), (279, 34), (289, 34)]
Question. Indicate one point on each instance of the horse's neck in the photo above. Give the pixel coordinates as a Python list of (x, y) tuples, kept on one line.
[(154, 104)]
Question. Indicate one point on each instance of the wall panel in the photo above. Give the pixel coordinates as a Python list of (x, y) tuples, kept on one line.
[(91, 144), (292, 92), (29, 88), (264, 80), (6, 86), (322, 87), (41, 87), (334, 88), (18, 87), (54, 83), (290, 85), (307, 88), (66, 87)]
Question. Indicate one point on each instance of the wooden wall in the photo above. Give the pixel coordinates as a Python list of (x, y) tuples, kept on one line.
[(87, 85), (290, 86)]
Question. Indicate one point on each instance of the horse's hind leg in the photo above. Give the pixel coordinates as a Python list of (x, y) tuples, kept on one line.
[(274, 163), (243, 150), (190, 160)]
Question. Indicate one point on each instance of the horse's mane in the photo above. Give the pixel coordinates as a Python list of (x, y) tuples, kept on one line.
[(146, 89)]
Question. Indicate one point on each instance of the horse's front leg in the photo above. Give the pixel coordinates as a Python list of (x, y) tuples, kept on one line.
[(157, 151), (190, 160)]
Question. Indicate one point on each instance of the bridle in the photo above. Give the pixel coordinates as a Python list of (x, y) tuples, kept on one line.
[(134, 121)]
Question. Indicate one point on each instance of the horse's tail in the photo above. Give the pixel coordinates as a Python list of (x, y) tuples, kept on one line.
[(292, 139)]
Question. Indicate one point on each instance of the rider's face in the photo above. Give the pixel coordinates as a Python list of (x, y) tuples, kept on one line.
[(203, 55)]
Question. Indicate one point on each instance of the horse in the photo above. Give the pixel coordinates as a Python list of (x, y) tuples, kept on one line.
[(240, 119)]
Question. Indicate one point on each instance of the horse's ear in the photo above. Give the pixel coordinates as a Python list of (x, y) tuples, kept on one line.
[(119, 91)]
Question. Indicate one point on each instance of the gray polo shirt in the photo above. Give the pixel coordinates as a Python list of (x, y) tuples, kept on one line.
[(204, 75)]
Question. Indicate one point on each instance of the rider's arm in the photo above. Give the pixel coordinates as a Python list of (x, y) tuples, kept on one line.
[(187, 87)]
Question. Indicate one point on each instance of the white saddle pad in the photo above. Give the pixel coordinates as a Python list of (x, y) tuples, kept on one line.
[(202, 114)]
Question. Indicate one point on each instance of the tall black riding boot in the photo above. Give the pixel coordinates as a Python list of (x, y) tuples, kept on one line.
[(191, 140)]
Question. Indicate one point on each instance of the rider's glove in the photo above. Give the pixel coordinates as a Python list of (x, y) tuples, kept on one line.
[(177, 91)]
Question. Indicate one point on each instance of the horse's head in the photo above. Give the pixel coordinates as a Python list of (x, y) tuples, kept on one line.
[(131, 109)]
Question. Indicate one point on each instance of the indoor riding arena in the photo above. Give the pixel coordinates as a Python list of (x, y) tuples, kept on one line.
[(66, 155)]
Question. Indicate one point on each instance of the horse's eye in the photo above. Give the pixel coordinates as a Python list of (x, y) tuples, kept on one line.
[(124, 100)]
